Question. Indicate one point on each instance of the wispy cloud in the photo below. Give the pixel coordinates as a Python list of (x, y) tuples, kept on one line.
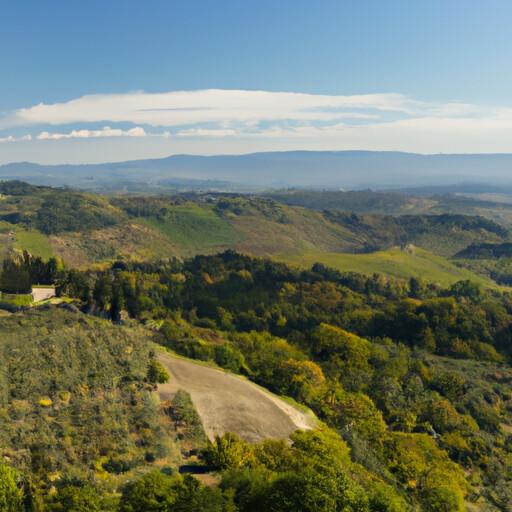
[(12, 138), (208, 132), (181, 108), (106, 131), (227, 120)]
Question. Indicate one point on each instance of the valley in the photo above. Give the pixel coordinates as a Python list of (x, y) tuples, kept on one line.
[(255, 256)]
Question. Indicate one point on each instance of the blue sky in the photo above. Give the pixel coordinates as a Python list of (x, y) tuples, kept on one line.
[(424, 76)]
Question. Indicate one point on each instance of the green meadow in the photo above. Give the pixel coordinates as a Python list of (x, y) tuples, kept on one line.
[(195, 229), (394, 262), (34, 242)]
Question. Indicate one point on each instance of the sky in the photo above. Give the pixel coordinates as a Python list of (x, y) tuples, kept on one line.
[(122, 79)]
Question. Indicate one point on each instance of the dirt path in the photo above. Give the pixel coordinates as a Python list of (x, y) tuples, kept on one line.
[(228, 403)]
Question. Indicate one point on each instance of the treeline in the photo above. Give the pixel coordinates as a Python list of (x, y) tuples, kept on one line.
[(499, 269), (21, 270), (383, 231), (486, 251), (53, 211), (239, 293), (359, 201)]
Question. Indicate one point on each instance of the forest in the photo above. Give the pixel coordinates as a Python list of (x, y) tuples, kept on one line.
[(410, 380)]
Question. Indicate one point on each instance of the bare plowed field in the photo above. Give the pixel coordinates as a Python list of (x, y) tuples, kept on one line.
[(228, 403)]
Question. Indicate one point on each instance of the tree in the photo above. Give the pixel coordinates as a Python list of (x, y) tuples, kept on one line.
[(467, 289), (345, 353), (229, 451), (155, 492), (11, 494), (151, 493), (383, 498), (316, 487), (250, 487), (420, 465), (298, 379), (357, 412), (299, 492), (15, 278), (416, 288), (443, 499), (75, 498)]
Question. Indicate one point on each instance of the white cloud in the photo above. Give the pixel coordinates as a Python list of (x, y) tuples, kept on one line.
[(213, 121), (12, 138), (180, 108), (107, 131)]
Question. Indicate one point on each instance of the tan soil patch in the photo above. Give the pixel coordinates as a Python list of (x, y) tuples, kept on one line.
[(228, 403)]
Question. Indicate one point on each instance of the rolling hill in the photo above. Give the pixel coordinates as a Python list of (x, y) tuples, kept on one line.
[(85, 229)]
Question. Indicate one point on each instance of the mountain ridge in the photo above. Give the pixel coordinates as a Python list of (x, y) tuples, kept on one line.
[(301, 168)]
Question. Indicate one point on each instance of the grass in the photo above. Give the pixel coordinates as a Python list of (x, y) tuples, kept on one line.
[(395, 262), (195, 229), (16, 300), (34, 242)]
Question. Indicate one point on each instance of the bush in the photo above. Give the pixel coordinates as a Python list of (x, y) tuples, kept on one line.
[(228, 452), (157, 373)]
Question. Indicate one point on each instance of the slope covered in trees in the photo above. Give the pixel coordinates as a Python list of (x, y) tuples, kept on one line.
[(77, 396), (411, 376)]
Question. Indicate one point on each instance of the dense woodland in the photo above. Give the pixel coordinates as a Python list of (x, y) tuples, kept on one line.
[(413, 379)]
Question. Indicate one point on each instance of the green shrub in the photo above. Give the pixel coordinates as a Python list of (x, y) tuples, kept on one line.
[(157, 373)]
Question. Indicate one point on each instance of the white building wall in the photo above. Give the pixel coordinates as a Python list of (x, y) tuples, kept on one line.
[(43, 293)]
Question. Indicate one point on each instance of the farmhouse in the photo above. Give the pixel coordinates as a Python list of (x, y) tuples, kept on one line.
[(40, 293)]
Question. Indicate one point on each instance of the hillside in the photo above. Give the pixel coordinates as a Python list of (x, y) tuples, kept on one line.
[(414, 378), (434, 201), (75, 397), (84, 229), (410, 382), (401, 263)]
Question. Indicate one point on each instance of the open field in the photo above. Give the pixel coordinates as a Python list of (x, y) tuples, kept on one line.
[(395, 262), (34, 242), (195, 229), (228, 403)]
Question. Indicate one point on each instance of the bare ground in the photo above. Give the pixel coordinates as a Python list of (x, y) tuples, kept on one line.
[(228, 403)]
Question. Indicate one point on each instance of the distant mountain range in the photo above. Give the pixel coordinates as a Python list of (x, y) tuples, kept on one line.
[(310, 169)]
